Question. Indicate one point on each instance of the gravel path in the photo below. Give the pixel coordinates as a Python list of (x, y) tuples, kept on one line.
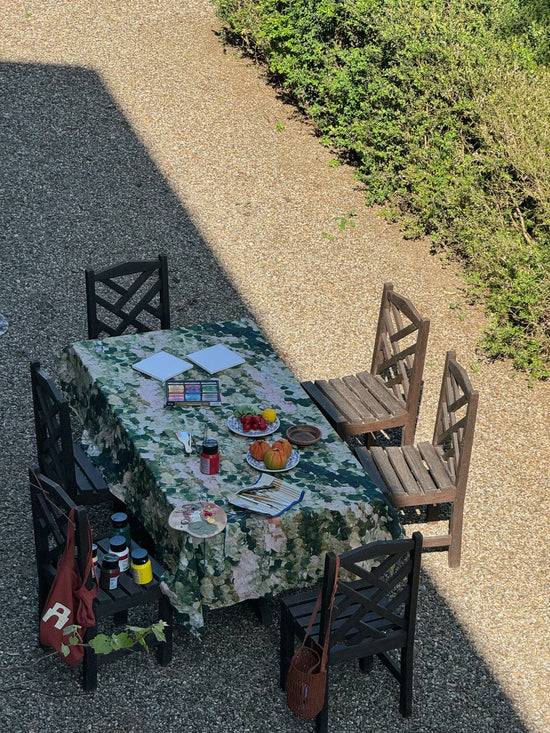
[(128, 130)]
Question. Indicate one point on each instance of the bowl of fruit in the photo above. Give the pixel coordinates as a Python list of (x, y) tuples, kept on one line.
[(272, 457), (252, 422)]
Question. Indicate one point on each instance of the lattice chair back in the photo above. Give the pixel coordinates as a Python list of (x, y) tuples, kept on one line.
[(54, 444), (400, 346), (50, 506), (131, 297), (455, 420), (375, 611)]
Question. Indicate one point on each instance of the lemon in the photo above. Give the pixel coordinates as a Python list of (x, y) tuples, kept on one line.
[(269, 415)]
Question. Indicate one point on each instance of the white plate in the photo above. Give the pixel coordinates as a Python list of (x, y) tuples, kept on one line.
[(260, 465), (234, 424)]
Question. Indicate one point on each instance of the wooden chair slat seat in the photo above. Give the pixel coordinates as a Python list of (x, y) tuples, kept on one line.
[(436, 465), (434, 473), (59, 458), (386, 399), (50, 507), (418, 469), (374, 612), (128, 297), (389, 395)]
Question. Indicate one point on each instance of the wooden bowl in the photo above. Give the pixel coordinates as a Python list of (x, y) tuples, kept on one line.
[(303, 434)]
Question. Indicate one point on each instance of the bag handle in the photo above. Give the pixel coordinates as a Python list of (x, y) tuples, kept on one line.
[(313, 616)]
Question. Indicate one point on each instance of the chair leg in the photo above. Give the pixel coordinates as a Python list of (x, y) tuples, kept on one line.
[(455, 530), (409, 429), (164, 649), (286, 647), (366, 664), (120, 618), (406, 682), (89, 663), (321, 721), (432, 513)]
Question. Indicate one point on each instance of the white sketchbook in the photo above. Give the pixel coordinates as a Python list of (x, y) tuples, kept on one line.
[(215, 358), (162, 365)]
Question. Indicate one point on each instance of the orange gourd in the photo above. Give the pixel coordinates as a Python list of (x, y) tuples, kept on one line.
[(258, 449), (283, 445), (275, 459)]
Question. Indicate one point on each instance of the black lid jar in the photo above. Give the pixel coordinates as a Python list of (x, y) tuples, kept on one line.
[(118, 547), (119, 522), (140, 556), (210, 458), (210, 447), (110, 570), (142, 571), (119, 519)]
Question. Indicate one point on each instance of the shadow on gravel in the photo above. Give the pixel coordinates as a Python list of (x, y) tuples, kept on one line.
[(80, 189)]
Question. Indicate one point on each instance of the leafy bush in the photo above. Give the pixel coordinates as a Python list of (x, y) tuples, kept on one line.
[(442, 105)]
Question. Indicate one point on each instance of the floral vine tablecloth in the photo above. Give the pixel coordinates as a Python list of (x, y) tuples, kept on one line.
[(132, 436)]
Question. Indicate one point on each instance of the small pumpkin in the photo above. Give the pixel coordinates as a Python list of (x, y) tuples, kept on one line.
[(258, 449), (283, 445), (275, 459)]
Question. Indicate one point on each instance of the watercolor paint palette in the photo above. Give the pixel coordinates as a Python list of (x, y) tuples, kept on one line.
[(193, 392)]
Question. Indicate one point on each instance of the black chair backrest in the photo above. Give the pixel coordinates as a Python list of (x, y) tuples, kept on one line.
[(377, 609), (129, 297), (50, 506), (54, 444)]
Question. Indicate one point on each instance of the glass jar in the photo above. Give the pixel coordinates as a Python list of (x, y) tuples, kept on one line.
[(210, 457), (95, 569), (110, 571), (118, 547), (142, 572), (119, 522)]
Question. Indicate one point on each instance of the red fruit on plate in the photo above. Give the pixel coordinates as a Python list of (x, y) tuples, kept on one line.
[(262, 423), (246, 427)]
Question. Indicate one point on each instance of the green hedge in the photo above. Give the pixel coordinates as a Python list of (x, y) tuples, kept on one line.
[(442, 105)]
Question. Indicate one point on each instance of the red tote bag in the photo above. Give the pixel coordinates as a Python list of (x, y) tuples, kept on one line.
[(70, 600)]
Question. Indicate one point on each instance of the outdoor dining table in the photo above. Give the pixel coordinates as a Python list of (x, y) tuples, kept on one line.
[(131, 434)]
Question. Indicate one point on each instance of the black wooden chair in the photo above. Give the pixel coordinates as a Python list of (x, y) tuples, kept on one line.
[(50, 507), (434, 474), (129, 297), (372, 614), (389, 395), (59, 458)]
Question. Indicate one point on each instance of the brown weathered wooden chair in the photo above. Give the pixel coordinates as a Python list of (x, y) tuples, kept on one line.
[(371, 615), (59, 457), (389, 395), (50, 507), (436, 473), (129, 297)]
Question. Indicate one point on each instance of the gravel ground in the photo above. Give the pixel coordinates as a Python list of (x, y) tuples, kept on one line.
[(127, 130)]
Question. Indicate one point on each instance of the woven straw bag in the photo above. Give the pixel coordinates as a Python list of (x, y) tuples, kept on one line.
[(307, 675)]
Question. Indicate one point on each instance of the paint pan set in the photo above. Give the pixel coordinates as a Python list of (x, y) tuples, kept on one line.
[(193, 392)]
